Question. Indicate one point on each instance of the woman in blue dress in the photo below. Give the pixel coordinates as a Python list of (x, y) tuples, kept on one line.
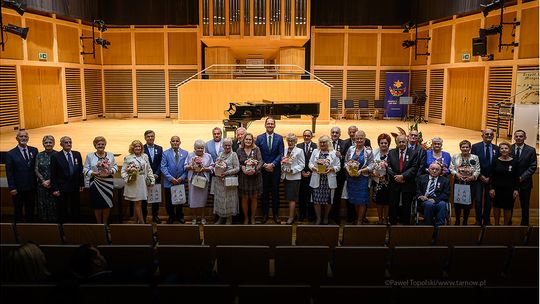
[(436, 154), (358, 161)]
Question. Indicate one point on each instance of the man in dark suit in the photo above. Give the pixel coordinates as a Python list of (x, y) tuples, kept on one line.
[(305, 204), (351, 142), (432, 194), (21, 177), (67, 181), (239, 132), (487, 153), (526, 157), (415, 146), (155, 153), (271, 145), (402, 169), (340, 146)]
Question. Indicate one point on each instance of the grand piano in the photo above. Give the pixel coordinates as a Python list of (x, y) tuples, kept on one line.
[(243, 114)]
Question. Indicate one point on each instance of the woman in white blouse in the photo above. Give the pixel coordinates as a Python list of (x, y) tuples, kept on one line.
[(138, 175), (291, 165), (323, 182)]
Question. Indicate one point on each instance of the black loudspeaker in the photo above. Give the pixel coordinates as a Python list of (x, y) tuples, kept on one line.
[(479, 46)]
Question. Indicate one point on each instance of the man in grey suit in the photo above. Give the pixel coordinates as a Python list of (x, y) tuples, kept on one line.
[(215, 145), (526, 158)]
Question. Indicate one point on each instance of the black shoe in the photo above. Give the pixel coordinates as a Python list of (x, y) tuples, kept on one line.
[(301, 219), (170, 220), (365, 221), (155, 220), (276, 220), (181, 221), (264, 219)]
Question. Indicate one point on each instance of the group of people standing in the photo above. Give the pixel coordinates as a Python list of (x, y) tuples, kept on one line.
[(317, 176)]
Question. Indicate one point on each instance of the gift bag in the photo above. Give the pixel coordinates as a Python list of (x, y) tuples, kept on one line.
[(344, 193), (462, 194), (231, 181), (154, 194), (199, 181), (178, 195)]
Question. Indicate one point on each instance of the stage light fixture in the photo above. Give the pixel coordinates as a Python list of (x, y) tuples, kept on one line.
[(408, 26), (100, 25), (495, 4), (19, 7), (19, 31), (493, 30), (104, 43), (408, 43)]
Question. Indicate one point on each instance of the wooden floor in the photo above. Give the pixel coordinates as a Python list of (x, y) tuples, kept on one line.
[(120, 132)]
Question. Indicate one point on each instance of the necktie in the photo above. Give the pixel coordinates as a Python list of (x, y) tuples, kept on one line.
[(270, 142), (176, 157), (488, 155), (400, 160), (26, 157), (151, 152), (306, 148), (335, 145), (518, 153), (431, 188), (70, 163)]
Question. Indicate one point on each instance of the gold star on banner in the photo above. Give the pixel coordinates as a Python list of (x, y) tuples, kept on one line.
[(398, 83)]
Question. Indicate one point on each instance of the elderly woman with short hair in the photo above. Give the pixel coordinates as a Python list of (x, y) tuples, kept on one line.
[(292, 164), (46, 201), (225, 184), (199, 166), (99, 168), (466, 168), (138, 175), (436, 154)]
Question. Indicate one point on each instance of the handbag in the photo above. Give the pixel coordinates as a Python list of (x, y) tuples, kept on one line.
[(231, 181), (462, 194), (199, 181)]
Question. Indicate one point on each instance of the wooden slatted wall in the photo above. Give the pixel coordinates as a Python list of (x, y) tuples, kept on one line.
[(150, 91), (335, 78), (360, 86), (418, 83), (435, 98), (175, 77), (9, 100), (93, 92), (382, 85), (118, 91), (73, 93), (500, 87)]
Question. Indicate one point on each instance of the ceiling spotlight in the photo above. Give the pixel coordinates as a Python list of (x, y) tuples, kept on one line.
[(104, 43), (100, 24), (408, 26), (15, 5), (494, 30), (495, 4), (408, 43), (19, 31)]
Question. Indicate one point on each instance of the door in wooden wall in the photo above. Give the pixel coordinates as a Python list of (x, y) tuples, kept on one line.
[(465, 98), (42, 97)]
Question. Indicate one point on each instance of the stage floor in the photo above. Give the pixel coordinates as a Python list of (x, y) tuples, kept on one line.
[(120, 132)]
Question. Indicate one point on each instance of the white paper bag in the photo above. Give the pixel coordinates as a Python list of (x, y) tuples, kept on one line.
[(344, 193), (462, 194), (178, 195), (231, 181), (154, 194)]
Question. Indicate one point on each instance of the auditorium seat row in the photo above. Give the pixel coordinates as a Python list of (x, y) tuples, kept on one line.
[(271, 294), (268, 235), (487, 265)]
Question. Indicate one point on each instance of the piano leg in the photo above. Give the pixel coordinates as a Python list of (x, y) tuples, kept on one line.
[(313, 123)]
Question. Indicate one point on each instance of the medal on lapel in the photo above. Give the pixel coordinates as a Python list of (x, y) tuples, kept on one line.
[(406, 157), (76, 161), (510, 168)]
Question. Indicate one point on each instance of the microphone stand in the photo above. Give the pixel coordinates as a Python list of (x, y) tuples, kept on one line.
[(501, 104)]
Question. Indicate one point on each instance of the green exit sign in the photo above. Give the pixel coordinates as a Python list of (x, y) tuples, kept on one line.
[(42, 56)]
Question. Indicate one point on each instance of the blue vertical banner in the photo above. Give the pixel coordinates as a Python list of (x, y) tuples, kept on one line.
[(397, 85)]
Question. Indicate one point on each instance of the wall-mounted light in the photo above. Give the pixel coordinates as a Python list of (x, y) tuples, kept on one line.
[(104, 43), (100, 26), (494, 30), (486, 8), (17, 30), (19, 7), (498, 29), (408, 26), (408, 43)]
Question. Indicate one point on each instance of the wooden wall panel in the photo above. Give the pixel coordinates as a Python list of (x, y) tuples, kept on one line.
[(420, 60), (392, 53), (218, 55), (13, 47), (149, 48), (151, 91), (362, 49), (335, 78), (73, 93), (382, 84), (441, 44), (493, 40), (464, 100), (87, 47), (183, 48), (68, 43), (118, 91), (42, 97), (296, 56), (465, 31), (31, 97), (528, 41), (329, 49), (176, 77), (93, 91), (418, 85), (39, 39), (360, 86), (9, 98), (500, 88), (435, 98), (119, 52)]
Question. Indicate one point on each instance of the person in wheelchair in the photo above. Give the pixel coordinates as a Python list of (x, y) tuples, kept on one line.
[(432, 193)]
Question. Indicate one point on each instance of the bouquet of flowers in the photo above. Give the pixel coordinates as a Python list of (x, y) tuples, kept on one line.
[(286, 162), (220, 167), (251, 164), (352, 167), (322, 165), (465, 170), (379, 168), (103, 166), (197, 164), (132, 170)]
